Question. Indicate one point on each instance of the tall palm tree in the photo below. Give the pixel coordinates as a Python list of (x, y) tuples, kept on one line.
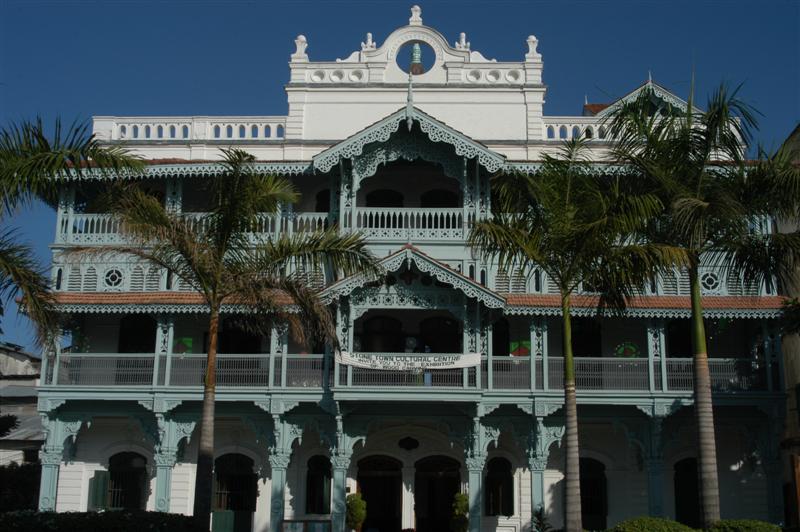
[(582, 229), (219, 260), (718, 206), (31, 161)]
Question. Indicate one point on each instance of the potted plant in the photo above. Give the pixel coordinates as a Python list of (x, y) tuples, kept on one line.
[(356, 511), (459, 520)]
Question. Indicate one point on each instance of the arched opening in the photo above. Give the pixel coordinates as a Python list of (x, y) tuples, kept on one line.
[(322, 201), (235, 492), (594, 494), (687, 496), (318, 485), (384, 198), (562, 132), (551, 132), (127, 475), (137, 334), (172, 132), (499, 488), (436, 482), (576, 132), (186, 132), (279, 131), (439, 199), (380, 484)]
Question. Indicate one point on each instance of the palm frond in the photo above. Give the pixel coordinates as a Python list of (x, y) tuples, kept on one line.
[(21, 275)]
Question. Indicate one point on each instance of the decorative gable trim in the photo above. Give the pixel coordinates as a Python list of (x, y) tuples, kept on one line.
[(658, 91), (425, 264), (381, 131)]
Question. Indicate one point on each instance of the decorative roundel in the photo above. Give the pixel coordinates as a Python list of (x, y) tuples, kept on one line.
[(318, 76), (474, 76), (356, 75), (337, 76), (513, 76), (709, 281), (112, 278), (493, 76), (626, 350)]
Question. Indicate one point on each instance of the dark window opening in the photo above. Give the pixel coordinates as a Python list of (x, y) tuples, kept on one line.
[(384, 198), (235, 492), (594, 494), (499, 488), (687, 507), (439, 199), (501, 338), (586, 337), (126, 485), (679, 339), (137, 334), (318, 485), (322, 201)]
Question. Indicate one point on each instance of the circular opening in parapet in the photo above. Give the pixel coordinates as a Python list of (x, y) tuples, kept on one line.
[(416, 57)]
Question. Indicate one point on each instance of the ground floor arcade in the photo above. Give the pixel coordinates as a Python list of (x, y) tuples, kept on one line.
[(407, 461)]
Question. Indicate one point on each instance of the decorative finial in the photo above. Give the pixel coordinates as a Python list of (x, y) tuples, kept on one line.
[(532, 54), (649, 77), (369, 44), (462, 43), (416, 16), (300, 53), (585, 99), (410, 102)]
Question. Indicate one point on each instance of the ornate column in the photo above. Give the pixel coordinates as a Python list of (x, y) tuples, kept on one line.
[(654, 465), (340, 463), (163, 351), (279, 462), (165, 454), (538, 330), (475, 470), (57, 432), (48, 486), (539, 442), (407, 508), (475, 460), (656, 354), (165, 460)]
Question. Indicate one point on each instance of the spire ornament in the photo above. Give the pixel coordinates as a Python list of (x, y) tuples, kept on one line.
[(410, 103), (416, 16)]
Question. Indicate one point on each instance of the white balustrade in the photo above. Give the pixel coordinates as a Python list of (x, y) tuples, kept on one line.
[(412, 223), (190, 128), (561, 128), (511, 373)]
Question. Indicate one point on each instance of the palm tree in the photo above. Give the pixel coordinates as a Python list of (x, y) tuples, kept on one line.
[(219, 260), (31, 160), (717, 207), (582, 229)]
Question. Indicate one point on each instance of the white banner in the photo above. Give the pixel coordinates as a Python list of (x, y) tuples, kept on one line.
[(409, 361)]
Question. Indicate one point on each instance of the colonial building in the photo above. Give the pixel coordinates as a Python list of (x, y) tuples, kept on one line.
[(450, 374)]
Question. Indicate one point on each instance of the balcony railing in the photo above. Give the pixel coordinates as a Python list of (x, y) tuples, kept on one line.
[(104, 228), (316, 371), (389, 223)]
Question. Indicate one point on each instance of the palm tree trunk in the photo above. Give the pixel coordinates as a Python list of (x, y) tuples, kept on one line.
[(572, 478), (704, 414), (205, 455)]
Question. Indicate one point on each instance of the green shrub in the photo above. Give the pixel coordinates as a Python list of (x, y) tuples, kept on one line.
[(356, 511), (459, 519), (743, 525), (650, 524), (114, 521), (540, 521)]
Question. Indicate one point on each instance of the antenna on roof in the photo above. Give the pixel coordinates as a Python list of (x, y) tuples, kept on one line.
[(410, 102)]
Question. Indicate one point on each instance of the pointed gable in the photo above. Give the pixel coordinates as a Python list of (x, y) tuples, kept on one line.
[(381, 131), (661, 95), (441, 272)]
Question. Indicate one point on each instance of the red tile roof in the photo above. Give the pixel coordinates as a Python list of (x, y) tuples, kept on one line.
[(594, 108)]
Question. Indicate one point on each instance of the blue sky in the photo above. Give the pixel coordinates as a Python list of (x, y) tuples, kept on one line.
[(76, 59)]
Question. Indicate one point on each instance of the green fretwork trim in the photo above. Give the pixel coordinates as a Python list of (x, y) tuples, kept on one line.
[(425, 264), (187, 169), (382, 130)]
